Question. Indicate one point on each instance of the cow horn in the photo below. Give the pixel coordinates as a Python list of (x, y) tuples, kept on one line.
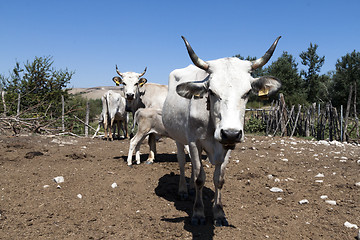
[(194, 58), (118, 72), (143, 72), (264, 59)]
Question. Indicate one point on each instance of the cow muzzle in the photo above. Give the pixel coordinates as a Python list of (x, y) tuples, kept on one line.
[(229, 137), (130, 96)]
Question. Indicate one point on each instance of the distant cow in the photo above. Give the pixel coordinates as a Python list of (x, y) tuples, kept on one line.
[(205, 109), (113, 111), (140, 94)]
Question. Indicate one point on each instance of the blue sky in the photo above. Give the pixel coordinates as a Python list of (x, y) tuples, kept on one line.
[(90, 37)]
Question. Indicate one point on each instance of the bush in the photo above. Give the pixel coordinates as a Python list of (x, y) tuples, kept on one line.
[(254, 125)]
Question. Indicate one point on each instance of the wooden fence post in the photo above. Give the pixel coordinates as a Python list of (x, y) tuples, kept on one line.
[(341, 124), (18, 105), (62, 113), (3, 101), (87, 119), (296, 120)]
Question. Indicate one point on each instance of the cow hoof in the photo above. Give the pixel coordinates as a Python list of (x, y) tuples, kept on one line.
[(220, 222), (149, 162), (195, 221)]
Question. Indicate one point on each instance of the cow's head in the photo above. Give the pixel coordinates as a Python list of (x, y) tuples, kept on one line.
[(131, 82), (228, 86)]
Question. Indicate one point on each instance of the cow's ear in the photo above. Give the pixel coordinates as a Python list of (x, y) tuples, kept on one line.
[(142, 81), (265, 86), (190, 89), (117, 80)]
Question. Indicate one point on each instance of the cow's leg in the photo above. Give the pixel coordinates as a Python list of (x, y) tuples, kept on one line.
[(118, 124), (135, 144), (124, 124), (218, 212), (110, 128), (191, 187), (152, 145), (183, 191), (198, 217), (106, 125)]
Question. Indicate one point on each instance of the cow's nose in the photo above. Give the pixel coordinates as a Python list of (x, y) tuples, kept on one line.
[(129, 96), (231, 135)]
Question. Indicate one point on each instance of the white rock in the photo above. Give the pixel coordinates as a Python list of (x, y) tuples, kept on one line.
[(276, 180), (59, 179), (58, 186), (279, 198), (350, 225), (323, 142), (319, 181), (331, 202), (319, 175), (276, 189), (323, 196), (79, 196), (270, 176), (114, 185), (46, 186), (285, 160), (358, 162), (304, 201), (357, 184)]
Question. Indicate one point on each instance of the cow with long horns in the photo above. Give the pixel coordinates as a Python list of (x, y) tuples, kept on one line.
[(205, 109)]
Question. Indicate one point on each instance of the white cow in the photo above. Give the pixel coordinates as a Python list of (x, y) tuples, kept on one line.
[(140, 94), (205, 109), (149, 121), (113, 110)]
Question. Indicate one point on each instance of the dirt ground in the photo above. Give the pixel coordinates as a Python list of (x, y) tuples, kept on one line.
[(144, 205)]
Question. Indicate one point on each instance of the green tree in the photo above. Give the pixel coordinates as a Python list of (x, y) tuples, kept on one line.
[(285, 68), (40, 86), (314, 63), (347, 73)]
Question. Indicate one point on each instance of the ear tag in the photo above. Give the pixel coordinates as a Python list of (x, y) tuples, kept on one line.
[(263, 92), (197, 96), (141, 84)]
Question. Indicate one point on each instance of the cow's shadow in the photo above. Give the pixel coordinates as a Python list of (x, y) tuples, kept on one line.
[(162, 157), (168, 187)]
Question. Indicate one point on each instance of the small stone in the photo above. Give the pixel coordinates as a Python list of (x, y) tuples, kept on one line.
[(276, 189), (114, 185), (59, 179), (79, 196), (331, 202), (319, 175), (304, 201), (350, 225), (323, 196)]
